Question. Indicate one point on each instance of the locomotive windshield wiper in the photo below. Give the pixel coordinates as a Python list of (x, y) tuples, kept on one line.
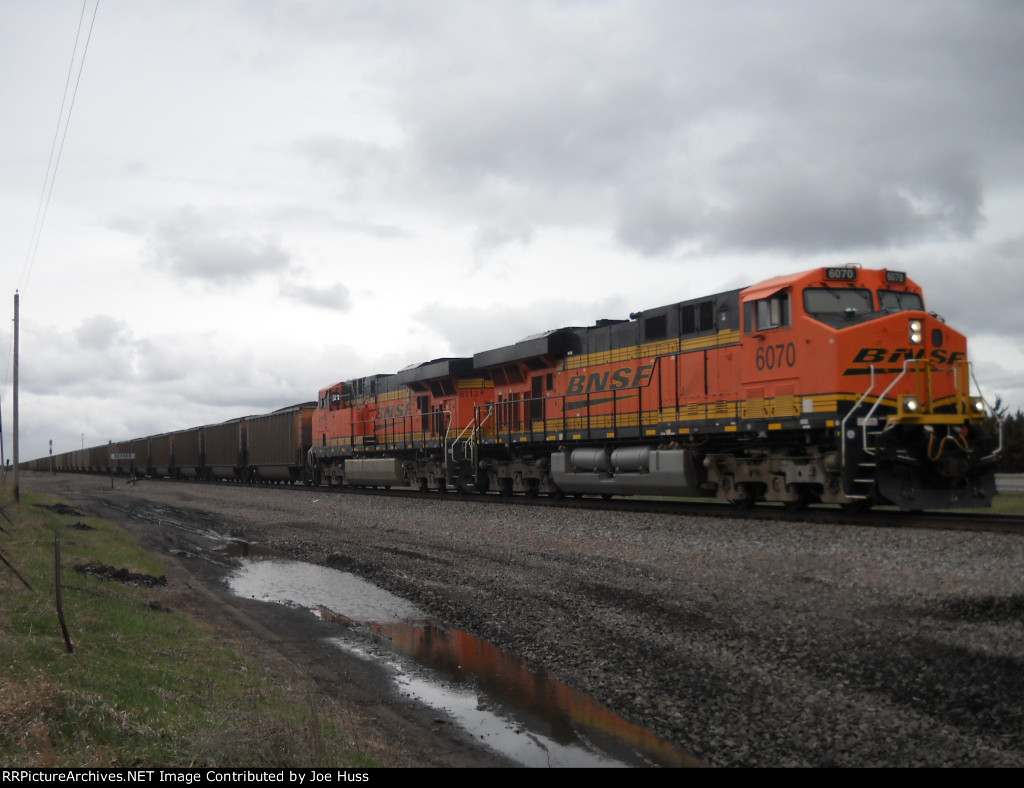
[(833, 291)]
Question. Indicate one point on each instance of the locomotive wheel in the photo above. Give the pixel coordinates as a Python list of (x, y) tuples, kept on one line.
[(748, 499)]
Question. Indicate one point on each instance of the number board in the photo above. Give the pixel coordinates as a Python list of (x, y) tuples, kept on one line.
[(841, 274)]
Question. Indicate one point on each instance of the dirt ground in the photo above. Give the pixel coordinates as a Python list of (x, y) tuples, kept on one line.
[(741, 642)]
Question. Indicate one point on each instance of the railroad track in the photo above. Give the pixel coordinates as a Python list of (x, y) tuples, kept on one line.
[(822, 515), (878, 518)]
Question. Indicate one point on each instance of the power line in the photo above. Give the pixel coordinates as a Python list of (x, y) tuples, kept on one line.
[(54, 162)]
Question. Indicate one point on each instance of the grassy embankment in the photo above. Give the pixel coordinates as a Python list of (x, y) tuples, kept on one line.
[(144, 685)]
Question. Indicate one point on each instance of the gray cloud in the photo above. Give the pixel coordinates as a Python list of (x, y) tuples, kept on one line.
[(100, 332), (95, 358), (469, 330), (799, 127), (195, 244), (332, 297), (358, 169), (978, 292), (491, 236), (803, 208)]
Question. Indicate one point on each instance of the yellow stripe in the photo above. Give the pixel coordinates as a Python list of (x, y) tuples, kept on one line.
[(665, 347)]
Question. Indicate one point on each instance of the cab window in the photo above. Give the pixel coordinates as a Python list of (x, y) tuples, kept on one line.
[(767, 313), (899, 301)]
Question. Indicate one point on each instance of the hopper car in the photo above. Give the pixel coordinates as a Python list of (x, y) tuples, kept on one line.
[(268, 447)]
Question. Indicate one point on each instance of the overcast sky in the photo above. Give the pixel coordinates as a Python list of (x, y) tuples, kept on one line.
[(258, 198)]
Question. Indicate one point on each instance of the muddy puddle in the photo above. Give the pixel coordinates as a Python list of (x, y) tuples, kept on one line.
[(506, 704)]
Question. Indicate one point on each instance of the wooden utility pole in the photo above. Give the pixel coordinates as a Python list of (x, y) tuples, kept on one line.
[(17, 478)]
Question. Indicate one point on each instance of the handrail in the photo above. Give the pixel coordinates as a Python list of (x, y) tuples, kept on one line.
[(479, 426), (448, 424), (990, 409), (450, 449), (878, 401), (857, 404)]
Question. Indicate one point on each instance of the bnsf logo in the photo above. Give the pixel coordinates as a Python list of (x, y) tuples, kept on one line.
[(878, 355), (611, 380), (396, 411)]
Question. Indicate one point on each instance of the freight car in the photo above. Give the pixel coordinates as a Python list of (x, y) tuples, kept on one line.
[(278, 443), (833, 385), (226, 451), (263, 448)]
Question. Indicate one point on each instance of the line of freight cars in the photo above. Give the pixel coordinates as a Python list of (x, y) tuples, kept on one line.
[(271, 447)]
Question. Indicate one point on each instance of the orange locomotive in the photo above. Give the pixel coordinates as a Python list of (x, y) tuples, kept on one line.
[(399, 429), (832, 385)]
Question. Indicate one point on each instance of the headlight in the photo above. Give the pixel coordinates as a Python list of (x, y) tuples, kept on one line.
[(977, 404), (916, 332), (911, 405)]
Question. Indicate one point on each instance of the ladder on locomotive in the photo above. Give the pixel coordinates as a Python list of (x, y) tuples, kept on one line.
[(863, 480), (461, 451)]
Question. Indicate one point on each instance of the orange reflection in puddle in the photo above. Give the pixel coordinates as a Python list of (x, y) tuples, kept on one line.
[(563, 711)]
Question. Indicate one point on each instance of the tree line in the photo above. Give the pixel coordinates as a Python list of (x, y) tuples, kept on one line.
[(1012, 458)]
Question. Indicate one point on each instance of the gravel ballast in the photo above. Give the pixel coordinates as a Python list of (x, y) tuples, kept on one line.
[(743, 642)]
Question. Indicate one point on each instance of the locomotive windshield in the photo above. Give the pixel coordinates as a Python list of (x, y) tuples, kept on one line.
[(847, 302), (841, 306), (897, 301)]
